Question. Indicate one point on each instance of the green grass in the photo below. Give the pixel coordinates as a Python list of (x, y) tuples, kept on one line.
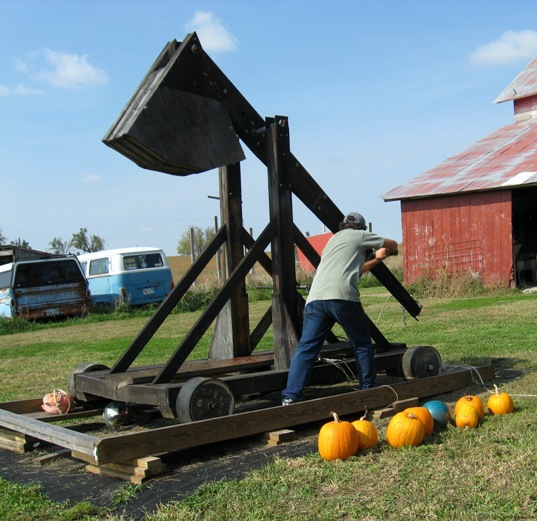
[(28, 503), (482, 474)]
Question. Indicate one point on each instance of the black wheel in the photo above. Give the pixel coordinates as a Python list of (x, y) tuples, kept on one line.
[(86, 367), (204, 398), (421, 362)]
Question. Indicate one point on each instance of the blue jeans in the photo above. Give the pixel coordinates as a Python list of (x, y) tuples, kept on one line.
[(319, 318)]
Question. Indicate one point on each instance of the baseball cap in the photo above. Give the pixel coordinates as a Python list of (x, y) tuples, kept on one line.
[(355, 218)]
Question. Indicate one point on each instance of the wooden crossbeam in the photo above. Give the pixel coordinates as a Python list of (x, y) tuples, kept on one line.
[(135, 445), (177, 437)]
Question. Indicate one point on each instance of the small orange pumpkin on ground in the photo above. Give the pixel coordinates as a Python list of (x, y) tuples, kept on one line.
[(405, 430), (500, 403), (367, 432), (425, 416), (472, 400), (467, 416), (338, 439)]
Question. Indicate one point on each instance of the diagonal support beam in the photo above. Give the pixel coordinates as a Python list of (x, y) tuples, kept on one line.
[(208, 316), (166, 307)]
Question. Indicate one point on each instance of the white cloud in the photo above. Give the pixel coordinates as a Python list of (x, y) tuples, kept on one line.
[(92, 178), (214, 37), (70, 71), (511, 47), (19, 90)]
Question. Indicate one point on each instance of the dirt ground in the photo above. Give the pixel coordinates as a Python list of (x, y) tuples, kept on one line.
[(66, 479)]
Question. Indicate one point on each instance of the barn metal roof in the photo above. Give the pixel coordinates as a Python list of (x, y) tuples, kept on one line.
[(505, 158), (524, 85)]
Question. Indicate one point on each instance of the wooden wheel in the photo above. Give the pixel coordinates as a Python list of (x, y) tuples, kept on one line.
[(421, 362), (203, 398), (86, 367)]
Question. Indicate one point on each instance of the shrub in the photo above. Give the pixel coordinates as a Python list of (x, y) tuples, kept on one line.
[(443, 283)]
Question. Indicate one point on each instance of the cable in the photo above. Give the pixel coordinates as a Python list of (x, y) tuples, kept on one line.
[(473, 370), (382, 308), (403, 311), (341, 365)]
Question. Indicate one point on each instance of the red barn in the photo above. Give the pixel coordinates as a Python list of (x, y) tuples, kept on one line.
[(318, 242), (476, 213)]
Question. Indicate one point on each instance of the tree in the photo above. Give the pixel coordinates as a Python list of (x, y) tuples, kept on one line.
[(2, 238), (22, 243), (58, 246), (200, 239), (81, 241)]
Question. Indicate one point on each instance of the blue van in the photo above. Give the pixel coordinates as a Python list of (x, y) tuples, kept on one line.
[(131, 276), (43, 288)]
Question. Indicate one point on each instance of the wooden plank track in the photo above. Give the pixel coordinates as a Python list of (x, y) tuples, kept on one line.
[(182, 436), (131, 446), (54, 434)]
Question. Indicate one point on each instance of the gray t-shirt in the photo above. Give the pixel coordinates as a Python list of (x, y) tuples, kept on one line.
[(338, 272)]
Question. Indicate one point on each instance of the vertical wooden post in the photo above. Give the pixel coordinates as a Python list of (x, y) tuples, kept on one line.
[(285, 316), (232, 333)]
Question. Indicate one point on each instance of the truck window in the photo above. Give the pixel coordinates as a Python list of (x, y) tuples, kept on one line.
[(47, 273)]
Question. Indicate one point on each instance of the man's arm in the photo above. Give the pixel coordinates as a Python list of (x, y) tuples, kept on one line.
[(388, 248), (391, 246)]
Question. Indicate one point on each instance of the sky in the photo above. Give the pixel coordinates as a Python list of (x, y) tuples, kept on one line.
[(376, 93)]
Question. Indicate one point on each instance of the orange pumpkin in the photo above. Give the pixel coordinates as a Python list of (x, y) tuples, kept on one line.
[(405, 430), (500, 403), (338, 439), (467, 416), (367, 433), (472, 400), (425, 416)]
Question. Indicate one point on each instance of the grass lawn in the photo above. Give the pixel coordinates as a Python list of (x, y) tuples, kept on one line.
[(488, 473)]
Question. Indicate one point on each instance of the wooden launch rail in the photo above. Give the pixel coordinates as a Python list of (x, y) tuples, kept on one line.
[(123, 447)]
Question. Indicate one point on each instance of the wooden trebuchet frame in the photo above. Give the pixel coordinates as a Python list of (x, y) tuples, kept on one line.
[(187, 117)]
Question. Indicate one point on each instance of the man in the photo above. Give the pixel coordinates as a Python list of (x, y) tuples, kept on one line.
[(334, 297)]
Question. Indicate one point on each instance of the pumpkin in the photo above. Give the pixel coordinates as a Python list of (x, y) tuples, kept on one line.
[(405, 430), (367, 433), (440, 413), (425, 416), (500, 403), (338, 439), (470, 399), (58, 402), (467, 417)]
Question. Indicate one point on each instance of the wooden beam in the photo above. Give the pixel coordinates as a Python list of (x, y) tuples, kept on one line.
[(189, 343), (83, 443), (285, 316), (166, 307), (231, 337), (121, 447), (177, 437)]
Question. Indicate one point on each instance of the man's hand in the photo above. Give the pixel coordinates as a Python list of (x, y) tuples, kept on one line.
[(382, 253)]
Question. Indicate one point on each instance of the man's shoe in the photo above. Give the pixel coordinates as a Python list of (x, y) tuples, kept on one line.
[(288, 401)]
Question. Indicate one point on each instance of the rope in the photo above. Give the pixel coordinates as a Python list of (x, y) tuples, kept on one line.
[(383, 307), (403, 312), (341, 366), (480, 382), (391, 389)]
